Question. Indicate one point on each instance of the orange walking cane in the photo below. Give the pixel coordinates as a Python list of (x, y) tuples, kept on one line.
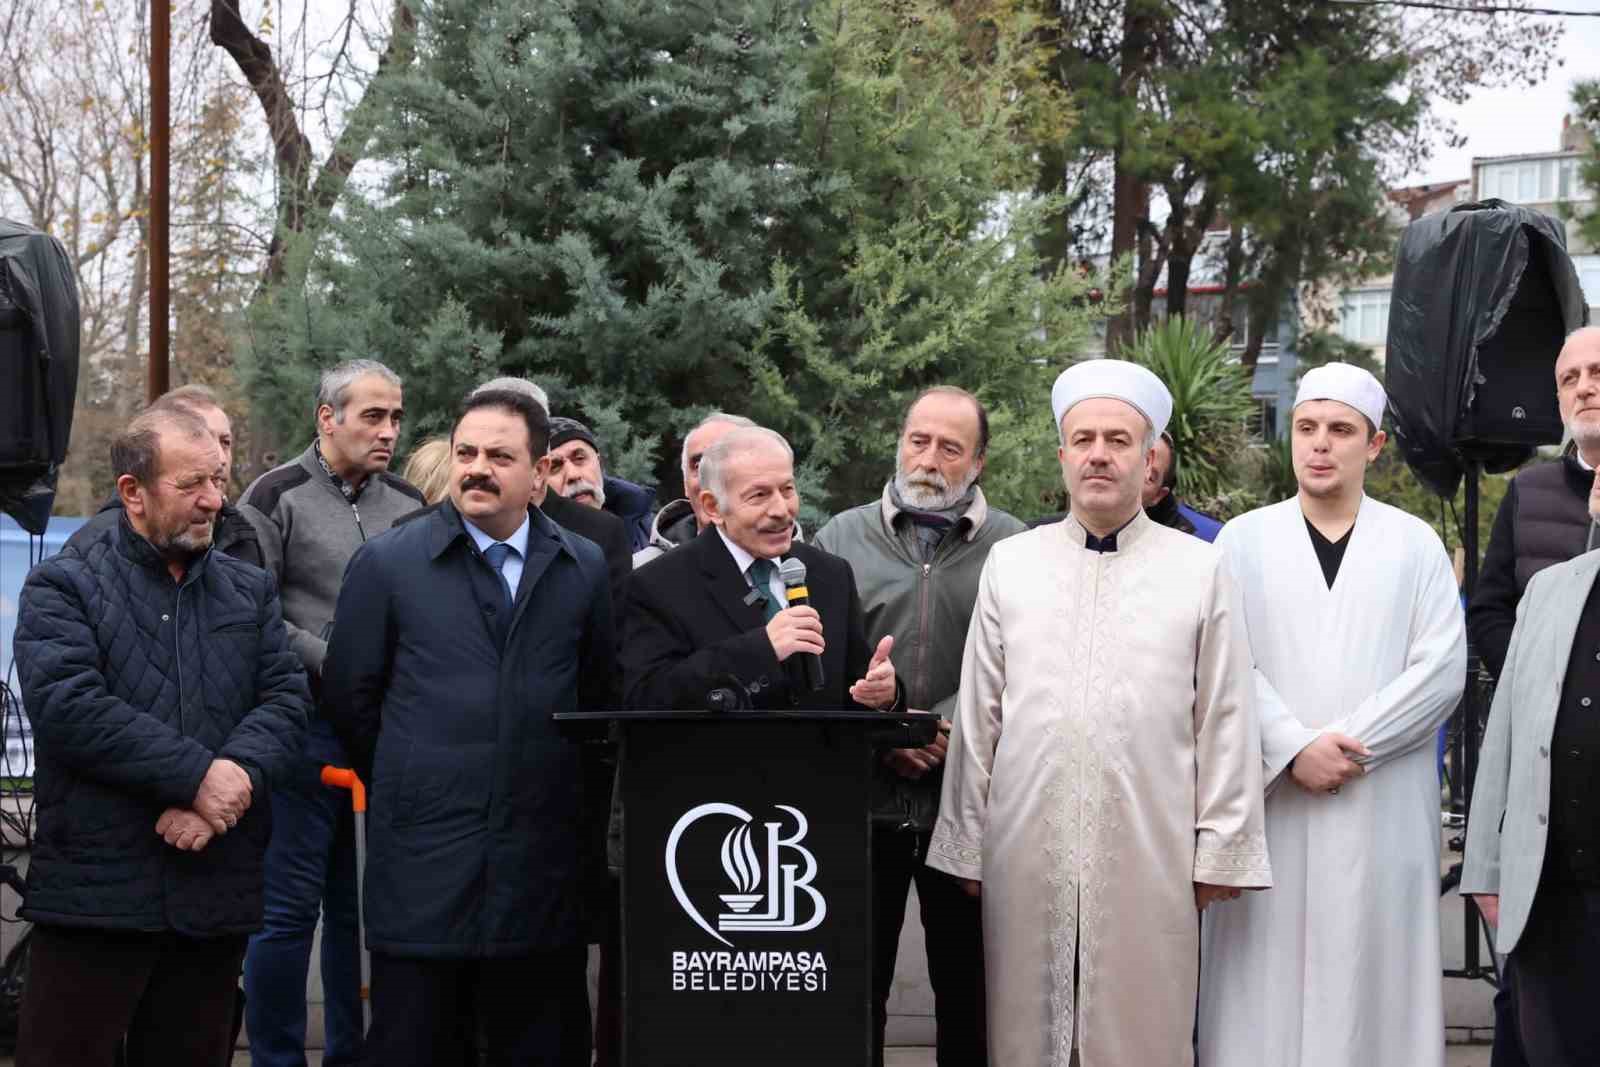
[(344, 778)]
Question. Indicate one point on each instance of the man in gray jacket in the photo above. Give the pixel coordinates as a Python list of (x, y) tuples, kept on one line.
[(918, 553), (1533, 840), (311, 515)]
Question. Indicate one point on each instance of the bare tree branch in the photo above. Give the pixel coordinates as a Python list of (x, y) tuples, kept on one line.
[(303, 201)]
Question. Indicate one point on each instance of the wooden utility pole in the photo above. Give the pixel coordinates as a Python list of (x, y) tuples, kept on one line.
[(160, 186)]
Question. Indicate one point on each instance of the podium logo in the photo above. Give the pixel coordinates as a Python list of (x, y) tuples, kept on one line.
[(766, 867)]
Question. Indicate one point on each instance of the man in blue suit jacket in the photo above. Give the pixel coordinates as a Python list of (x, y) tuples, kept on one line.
[(458, 636)]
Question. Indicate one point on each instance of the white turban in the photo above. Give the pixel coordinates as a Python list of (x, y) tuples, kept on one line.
[(1117, 379), (1347, 384)]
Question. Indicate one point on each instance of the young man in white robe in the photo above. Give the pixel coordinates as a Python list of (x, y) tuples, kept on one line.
[(1103, 780), (1356, 631)]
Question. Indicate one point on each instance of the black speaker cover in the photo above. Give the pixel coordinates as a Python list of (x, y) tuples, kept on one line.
[(1484, 294), (38, 369)]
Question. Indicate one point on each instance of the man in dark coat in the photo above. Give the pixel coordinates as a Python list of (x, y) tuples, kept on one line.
[(458, 636), (234, 535), (599, 526), (711, 612), (1544, 517), (165, 703)]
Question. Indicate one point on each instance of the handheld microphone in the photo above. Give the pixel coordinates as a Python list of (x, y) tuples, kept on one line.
[(793, 573)]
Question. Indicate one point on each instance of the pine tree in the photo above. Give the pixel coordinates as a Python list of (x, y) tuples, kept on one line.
[(580, 193), (798, 212)]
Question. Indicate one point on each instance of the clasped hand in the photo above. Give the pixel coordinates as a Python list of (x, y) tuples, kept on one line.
[(219, 804), (1326, 764), (184, 830), (914, 763), (224, 795)]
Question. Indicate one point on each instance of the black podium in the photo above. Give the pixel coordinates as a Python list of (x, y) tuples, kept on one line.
[(746, 888)]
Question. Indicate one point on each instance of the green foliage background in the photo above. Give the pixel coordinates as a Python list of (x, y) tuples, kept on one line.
[(799, 212)]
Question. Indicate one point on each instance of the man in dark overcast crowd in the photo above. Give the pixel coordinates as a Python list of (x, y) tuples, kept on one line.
[(485, 606)]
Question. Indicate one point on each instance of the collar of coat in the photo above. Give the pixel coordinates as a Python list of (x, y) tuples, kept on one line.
[(1126, 536), (970, 522), (445, 528), (1577, 477), (136, 548)]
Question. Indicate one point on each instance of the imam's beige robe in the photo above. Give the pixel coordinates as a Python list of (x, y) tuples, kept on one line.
[(1104, 759)]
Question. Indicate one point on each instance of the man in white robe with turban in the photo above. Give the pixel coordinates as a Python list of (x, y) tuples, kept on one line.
[(1355, 629), (1103, 781)]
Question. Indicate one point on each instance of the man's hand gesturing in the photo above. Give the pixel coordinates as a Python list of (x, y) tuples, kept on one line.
[(876, 688), (224, 795), (795, 630)]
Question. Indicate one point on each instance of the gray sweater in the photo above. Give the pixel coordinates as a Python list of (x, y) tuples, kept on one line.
[(308, 532)]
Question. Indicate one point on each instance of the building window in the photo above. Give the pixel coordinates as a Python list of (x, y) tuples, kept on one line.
[(1588, 268), (1365, 316), (1532, 181)]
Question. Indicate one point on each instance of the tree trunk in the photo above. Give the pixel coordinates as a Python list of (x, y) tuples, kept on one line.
[(1180, 257), (1265, 297), (1230, 282), (1186, 232), (1129, 196), (303, 203), (130, 386), (1152, 257), (1126, 211)]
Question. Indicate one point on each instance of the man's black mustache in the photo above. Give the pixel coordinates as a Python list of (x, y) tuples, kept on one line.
[(479, 481)]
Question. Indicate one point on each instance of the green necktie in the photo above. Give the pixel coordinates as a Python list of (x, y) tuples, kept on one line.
[(760, 574)]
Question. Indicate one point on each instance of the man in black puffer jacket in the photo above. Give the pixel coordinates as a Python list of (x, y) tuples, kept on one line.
[(164, 701), (234, 534)]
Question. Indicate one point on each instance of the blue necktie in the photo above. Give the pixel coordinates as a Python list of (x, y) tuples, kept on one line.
[(497, 554)]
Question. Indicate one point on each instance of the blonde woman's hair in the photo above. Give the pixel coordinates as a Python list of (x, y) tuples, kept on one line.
[(428, 468)]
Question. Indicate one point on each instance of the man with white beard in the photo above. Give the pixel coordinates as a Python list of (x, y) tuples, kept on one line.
[(577, 472), (917, 553)]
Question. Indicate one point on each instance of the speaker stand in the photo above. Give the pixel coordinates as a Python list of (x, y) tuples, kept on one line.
[(1465, 746)]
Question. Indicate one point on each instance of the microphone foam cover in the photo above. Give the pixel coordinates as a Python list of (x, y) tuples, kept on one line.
[(792, 571)]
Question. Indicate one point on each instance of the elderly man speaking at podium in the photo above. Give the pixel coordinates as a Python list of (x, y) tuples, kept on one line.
[(713, 616), (1104, 774)]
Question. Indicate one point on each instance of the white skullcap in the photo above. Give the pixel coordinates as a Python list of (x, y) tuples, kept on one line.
[(1347, 384), (1117, 379)]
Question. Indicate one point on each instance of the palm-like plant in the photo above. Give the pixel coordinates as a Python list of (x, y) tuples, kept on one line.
[(1211, 402)]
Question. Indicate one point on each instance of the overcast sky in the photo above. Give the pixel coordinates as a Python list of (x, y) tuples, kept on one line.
[(1507, 122)]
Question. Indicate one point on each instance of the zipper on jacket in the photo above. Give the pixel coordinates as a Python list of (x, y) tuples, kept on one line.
[(177, 657), (922, 631), (362, 530)]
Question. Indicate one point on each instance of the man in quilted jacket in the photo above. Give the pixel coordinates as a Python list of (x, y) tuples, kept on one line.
[(164, 702)]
